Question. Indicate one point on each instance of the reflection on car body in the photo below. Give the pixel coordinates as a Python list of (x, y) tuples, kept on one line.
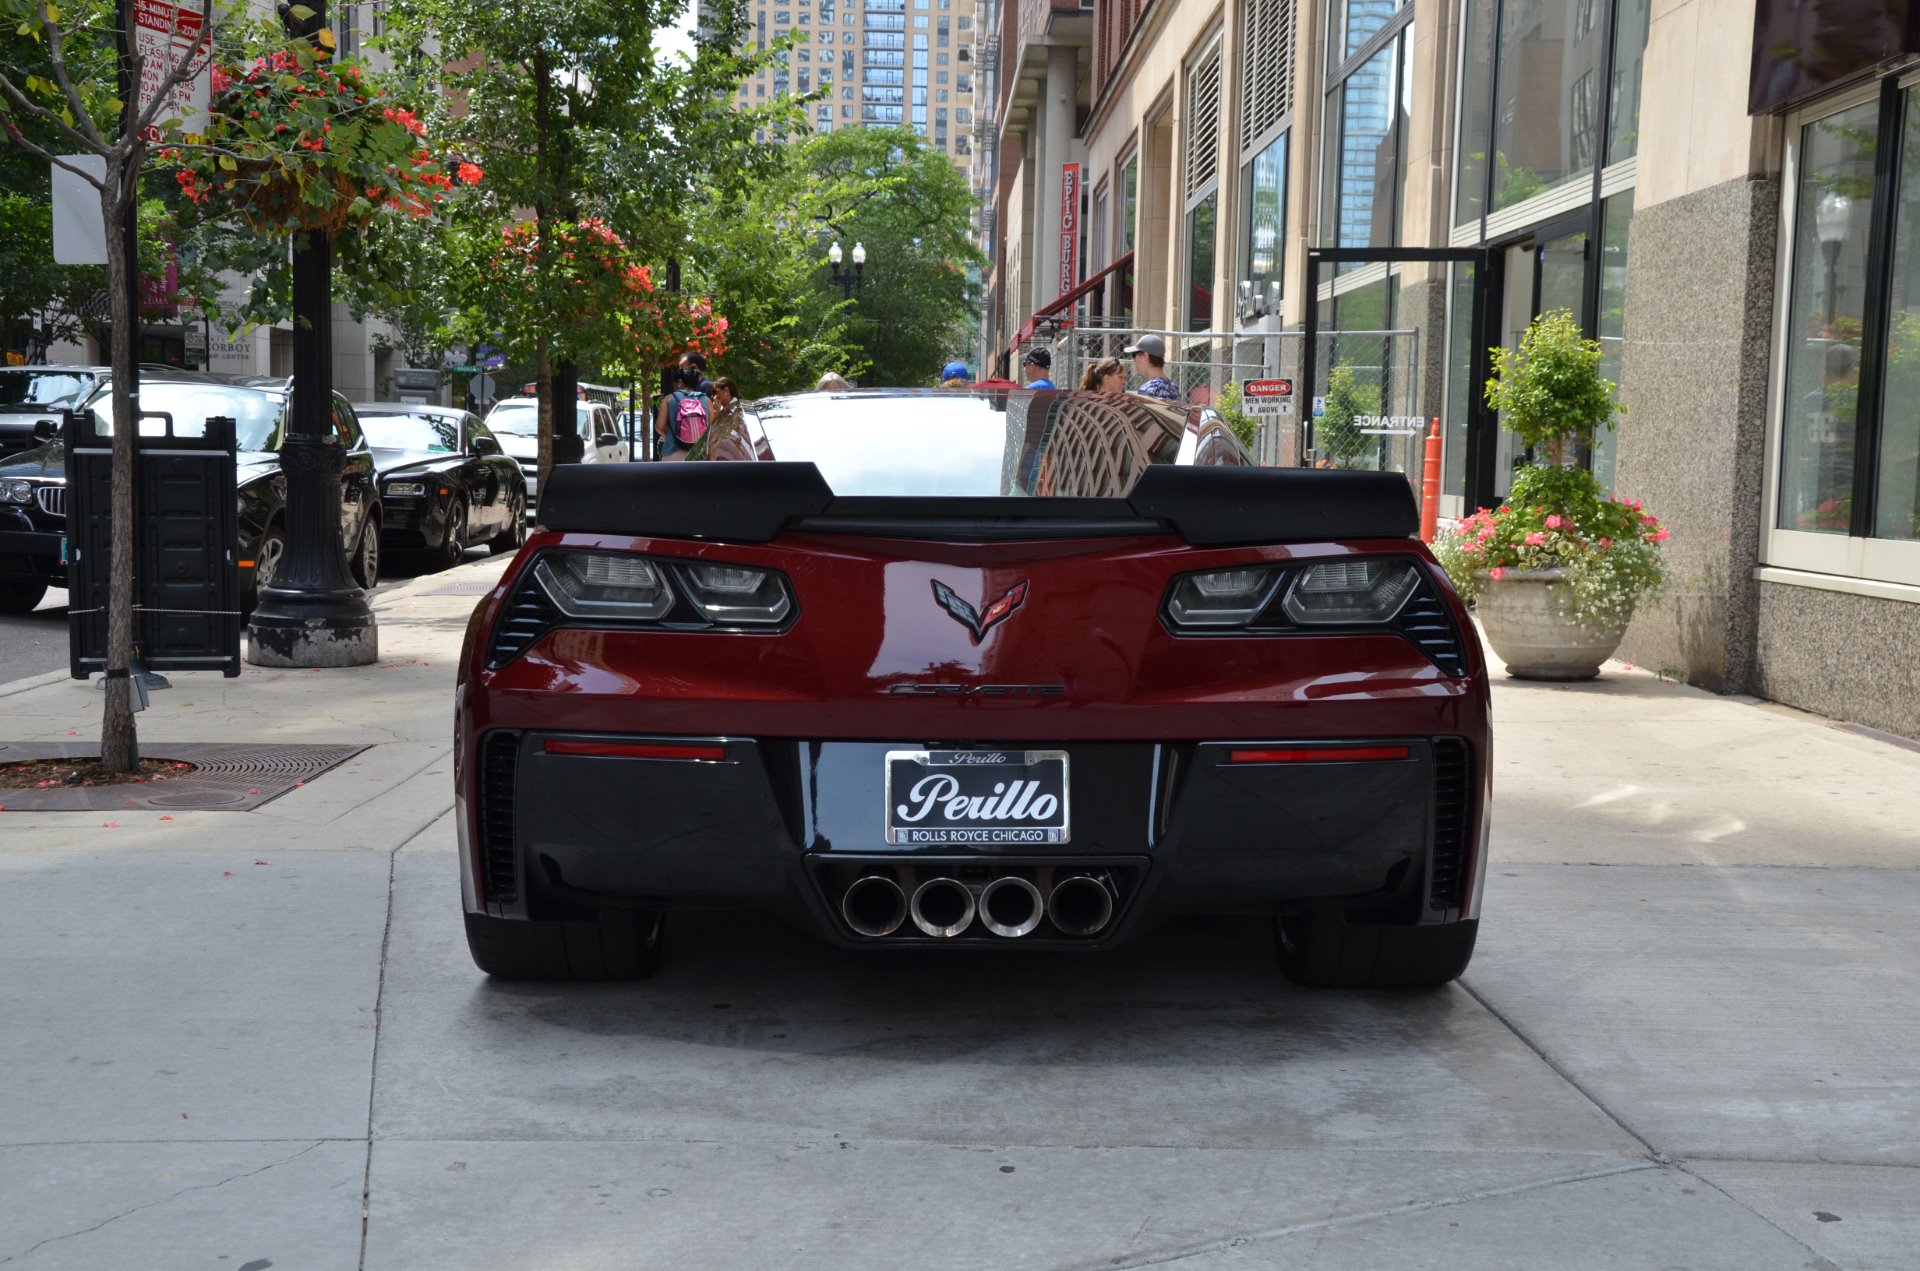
[(445, 484)]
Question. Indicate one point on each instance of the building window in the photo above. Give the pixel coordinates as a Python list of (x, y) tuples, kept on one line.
[(1129, 201), (1202, 187), (1532, 108), (1366, 120), (1850, 428), (1264, 186)]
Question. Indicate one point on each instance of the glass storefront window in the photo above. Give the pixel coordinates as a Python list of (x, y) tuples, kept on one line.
[(1201, 226), (1366, 188), (1611, 329), (1264, 182), (1550, 58), (1833, 205), (1897, 504), (1629, 49), (1476, 112), (1358, 21)]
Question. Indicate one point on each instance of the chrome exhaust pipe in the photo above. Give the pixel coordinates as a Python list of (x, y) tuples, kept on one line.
[(942, 907), (874, 906), (1011, 906), (1080, 904)]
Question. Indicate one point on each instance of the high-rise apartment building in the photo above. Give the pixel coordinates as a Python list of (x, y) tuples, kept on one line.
[(884, 63)]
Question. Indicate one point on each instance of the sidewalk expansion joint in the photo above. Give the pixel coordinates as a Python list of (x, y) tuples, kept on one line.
[(373, 1065)]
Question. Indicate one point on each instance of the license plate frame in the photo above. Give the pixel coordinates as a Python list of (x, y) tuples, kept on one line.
[(975, 774)]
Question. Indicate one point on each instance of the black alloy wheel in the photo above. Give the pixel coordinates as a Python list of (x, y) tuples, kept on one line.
[(21, 597), (267, 555), (366, 557), (454, 545), (510, 539)]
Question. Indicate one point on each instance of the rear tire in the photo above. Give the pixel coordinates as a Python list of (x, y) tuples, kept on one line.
[(1325, 951), (624, 944), (21, 597)]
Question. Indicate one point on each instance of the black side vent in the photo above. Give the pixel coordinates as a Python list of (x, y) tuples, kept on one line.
[(1425, 621), (499, 766), (1452, 806), (528, 615)]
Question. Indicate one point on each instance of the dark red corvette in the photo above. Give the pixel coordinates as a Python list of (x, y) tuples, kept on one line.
[(991, 670)]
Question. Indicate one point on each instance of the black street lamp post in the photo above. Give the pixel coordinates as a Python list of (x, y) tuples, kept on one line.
[(849, 280), (312, 613)]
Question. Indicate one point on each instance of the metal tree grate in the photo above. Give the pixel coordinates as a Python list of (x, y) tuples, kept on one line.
[(227, 776)]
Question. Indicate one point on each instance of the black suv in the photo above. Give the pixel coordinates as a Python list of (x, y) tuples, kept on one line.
[(33, 485)]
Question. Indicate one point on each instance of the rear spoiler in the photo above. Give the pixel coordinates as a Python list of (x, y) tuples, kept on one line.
[(756, 502)]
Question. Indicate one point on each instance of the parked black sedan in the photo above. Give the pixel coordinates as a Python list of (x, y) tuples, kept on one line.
[(33, 486), (445, 486)]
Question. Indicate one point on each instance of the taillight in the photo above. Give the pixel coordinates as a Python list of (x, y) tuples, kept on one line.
[(599, 585), (1221, 598), (1350, 591), (735, 595)]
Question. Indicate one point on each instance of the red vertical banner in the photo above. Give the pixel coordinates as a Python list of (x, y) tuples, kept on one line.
[(1069, 227)]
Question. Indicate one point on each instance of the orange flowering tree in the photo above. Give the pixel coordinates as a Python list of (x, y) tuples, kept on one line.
[(577, 287)]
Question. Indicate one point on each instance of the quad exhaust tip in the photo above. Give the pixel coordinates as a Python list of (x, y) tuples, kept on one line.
[(942, 907), (1011, 906), (874, 906), (1080, 905)]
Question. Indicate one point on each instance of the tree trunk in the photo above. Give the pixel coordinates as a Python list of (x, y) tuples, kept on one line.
[(119, 747)]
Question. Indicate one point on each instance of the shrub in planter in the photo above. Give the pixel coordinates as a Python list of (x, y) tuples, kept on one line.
[(1556, 570)]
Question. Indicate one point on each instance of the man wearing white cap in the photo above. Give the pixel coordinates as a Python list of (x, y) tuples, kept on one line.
[(1150, 360)]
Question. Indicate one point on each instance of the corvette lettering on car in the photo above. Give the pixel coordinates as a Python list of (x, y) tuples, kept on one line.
[(985, 670)]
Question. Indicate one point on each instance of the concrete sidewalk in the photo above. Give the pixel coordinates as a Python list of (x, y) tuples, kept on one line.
[(246, 1040)]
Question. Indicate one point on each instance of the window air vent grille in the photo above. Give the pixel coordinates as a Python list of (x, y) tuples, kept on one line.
[(1266, 91), (499, 766), (1203, 123), (1452, 806)]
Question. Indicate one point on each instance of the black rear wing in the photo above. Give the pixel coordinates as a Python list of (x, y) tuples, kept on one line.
[(756, 502)]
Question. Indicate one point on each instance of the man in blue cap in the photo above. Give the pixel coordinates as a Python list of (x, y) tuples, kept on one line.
[(953, 371)]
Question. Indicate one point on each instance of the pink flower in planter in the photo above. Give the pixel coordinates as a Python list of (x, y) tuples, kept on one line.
[(1536, 539), (1554, 522), (1497, 572), (1658, 536)]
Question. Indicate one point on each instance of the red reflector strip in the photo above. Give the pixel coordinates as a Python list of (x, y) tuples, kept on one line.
[(1319, 754), (634, 750)]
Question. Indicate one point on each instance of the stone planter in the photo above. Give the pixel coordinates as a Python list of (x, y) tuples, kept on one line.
[(1525, 617)]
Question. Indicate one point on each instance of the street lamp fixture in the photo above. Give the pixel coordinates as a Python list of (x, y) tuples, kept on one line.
[(848, 279), (1831, 220)]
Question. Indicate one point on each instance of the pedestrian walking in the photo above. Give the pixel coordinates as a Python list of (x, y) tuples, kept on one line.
[(685, 415), (1108, 375), (955, 375), (1149, 354), (728, 419), (1037, 365)]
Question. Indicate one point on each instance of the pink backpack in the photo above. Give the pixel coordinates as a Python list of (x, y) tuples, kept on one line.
[(689, 417)]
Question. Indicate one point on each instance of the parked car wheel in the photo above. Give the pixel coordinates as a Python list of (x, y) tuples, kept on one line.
[(509, 539), (1325, 951), (454, 546), (366, 557), (623, 944), (267, 555), (21, 597)]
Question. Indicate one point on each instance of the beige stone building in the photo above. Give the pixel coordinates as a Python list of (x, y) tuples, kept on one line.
[(1716, 189), (887, 63)]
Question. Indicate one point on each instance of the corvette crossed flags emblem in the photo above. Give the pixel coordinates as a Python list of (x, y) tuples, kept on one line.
[(976, 622)]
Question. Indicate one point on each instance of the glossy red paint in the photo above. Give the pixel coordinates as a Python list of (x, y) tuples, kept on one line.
[(867, 619), (634, 750)]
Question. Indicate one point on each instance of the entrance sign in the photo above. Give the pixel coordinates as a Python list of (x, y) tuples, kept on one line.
[(1270, 398), (1389, 425), (164, 33), (1069, 227)]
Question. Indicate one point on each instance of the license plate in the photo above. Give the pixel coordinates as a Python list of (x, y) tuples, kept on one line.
[(63, 550), (976, 797)]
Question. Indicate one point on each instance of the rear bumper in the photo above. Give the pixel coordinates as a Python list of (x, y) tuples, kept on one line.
[(787, 825)]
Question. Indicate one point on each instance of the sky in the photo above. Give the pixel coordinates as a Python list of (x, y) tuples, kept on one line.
[(680, 39)]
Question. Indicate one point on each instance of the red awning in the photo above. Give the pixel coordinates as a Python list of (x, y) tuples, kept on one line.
[(1066, 303)]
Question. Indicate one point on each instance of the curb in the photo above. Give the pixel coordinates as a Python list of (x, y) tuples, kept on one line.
[(31, 682)]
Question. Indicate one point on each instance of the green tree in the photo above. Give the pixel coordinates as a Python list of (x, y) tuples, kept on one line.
[(577, 117), (910, 207), (1337, 438)]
